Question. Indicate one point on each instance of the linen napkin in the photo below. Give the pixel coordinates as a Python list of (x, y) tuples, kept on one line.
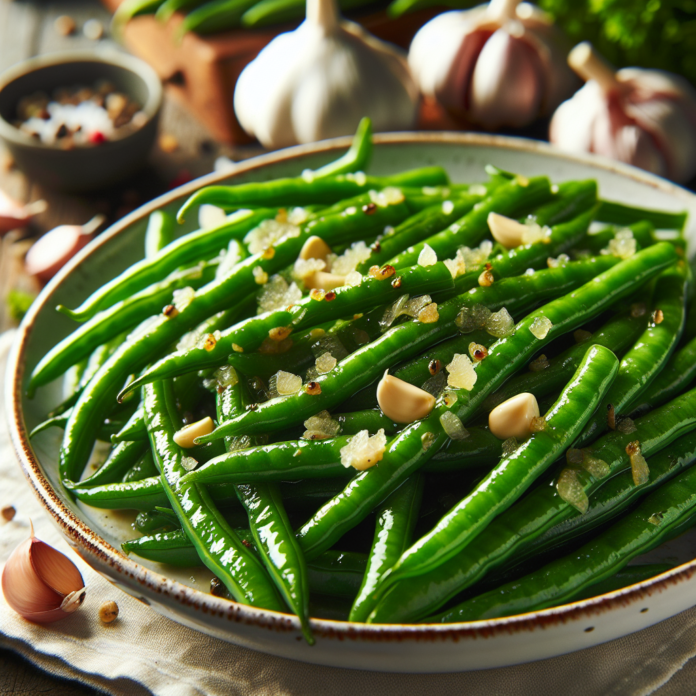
[(142, 652)]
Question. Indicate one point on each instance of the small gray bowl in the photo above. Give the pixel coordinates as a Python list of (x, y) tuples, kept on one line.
[(82, 168)]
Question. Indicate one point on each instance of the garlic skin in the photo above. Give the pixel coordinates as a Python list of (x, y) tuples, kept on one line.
[(318, 82), (40, 583), (646, 118), (501, 64)]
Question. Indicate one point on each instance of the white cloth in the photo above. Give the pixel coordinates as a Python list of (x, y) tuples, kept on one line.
[(142, 652)]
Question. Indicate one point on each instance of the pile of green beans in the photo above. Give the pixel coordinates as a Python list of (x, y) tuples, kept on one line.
[(442, 521)]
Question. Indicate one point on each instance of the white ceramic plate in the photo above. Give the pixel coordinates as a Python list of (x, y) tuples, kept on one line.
[(96, 535)]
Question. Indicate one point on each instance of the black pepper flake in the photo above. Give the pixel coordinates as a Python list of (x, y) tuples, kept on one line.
[(369, 208), (170, 311), (376, 247), (217, 589), (396, 283), (331, 295), (434, 366), (252, 407)]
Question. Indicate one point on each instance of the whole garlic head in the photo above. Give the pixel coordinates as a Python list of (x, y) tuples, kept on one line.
[(642, 117), (501, 64), (318, 82)]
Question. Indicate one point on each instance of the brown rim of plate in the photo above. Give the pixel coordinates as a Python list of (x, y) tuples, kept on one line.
[(88, 544)]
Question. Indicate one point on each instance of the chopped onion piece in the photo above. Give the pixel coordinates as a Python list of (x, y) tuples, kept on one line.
[(623, 245), (350, 259), (323, 424), (353, 279), (364, 451), (268, 233), (429, 314), (277, 294), (304, 268), (540, 327), (461, 372), (453, 426)]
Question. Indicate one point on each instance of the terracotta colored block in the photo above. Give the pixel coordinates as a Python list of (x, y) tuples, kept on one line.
[(201, 71)]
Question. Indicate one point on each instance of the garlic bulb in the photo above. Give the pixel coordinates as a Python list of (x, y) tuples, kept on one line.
[(54, 249), (642, 117), (501, 64), (318, 82), (40, 583)]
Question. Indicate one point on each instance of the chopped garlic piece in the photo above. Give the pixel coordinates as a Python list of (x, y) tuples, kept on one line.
[(226, 376), (540, 327), (189, 463), (322, 424), (461, 372), (260, 276), (500, 324), (304, 268), (297, 216), (560, 260), (571, 491), (325, 363), (429, 314), (182, 298), (210, 216), (453, 426), (277, 294), (350, 259), (268, 233), (353, 279), (287, 383), (623, 245), (534, 232), (386, 197), (229, 260), (363, 451), (360, 178), (447, 207), (427, 257), (472, 318)]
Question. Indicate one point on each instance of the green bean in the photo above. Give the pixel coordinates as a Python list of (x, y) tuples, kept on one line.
[(273, 535), (642, 363), (670, 507), (396, 519), (308, 312), (510, 199), (159, 232), (516, 472), (217, 545), (507, 537), (142, 469), (188, 249), (169, 7), (160, 332), (417, 443), (620, 332), (357, 157), (110, 323), (117, 464), (309, 190), (623, 214), (402, 342)]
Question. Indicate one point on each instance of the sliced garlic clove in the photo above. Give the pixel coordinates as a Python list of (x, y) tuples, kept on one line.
[(315, 248), (320, 280), (513, 418), (401, 401), (506, 231), (186, 436), (507, 83)]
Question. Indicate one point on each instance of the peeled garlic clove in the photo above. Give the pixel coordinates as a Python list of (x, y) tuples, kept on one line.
[(513, 418), (55, 248), (14, 215), (507, 83), (40, 583), (401, 401), (315, 248), (506, 231)]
